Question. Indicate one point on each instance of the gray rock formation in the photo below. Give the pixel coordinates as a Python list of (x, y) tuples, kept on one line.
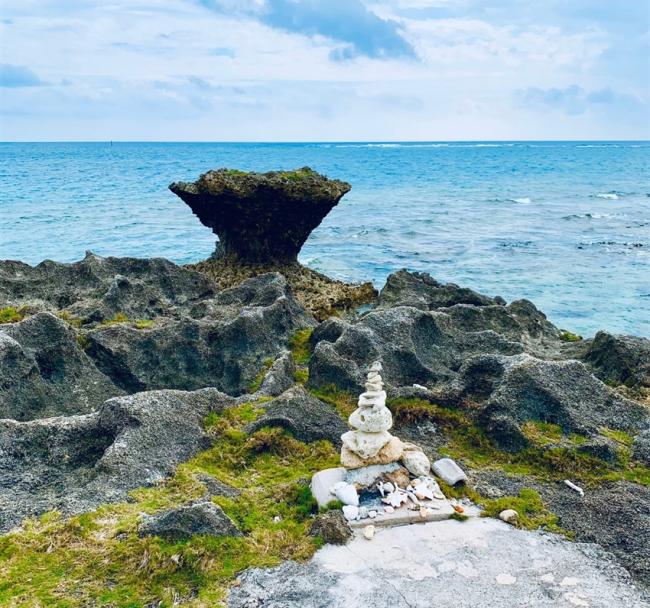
[(181, 523), (306, 417), (96, 288), (565, 393), (44, 372), (619, 359), (261, 217), (75, 463), (225, 348)]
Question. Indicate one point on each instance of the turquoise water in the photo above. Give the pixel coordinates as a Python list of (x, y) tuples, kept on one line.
[(566, 225)]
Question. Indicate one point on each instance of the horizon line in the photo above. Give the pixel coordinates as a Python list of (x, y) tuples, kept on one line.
[(315, 141)]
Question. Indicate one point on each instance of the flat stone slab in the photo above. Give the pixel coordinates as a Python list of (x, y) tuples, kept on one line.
[(478, 563), (437, 510)]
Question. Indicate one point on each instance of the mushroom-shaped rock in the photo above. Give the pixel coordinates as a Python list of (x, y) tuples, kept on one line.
[(261, 218)]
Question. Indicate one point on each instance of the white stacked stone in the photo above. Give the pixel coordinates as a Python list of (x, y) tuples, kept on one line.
[(370, 421)]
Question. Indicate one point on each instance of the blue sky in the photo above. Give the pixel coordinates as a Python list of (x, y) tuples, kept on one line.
[(286, 70)]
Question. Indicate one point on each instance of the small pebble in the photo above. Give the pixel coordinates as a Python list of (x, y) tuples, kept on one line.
[(458, 509), (424, 513), (389, 509), (369, 532), (372, 514), (509, 516)]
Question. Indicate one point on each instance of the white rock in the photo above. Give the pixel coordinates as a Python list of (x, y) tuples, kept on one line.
[(506, 579), (363, 512), (573, 486), (350, 512), (389, 509), (510, 516), (366, 445), (367, 477), (416, 462), (376, 367), (322, 482), (346, 493), (372, 514), (419, 386), (375, 399), (371, 420), (448, 471), (369, 532), (385, 488), (424, 512)]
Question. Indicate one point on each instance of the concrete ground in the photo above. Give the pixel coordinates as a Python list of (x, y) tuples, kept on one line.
[(479, 563)]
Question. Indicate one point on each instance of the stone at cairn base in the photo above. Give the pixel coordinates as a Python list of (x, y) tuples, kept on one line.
[(391, 452), (323, 481), (436, 510)]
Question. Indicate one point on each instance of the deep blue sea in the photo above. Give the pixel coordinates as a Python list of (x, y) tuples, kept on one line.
[(566, 225)]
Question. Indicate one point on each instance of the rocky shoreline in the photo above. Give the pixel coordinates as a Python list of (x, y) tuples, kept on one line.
[(225, 383)]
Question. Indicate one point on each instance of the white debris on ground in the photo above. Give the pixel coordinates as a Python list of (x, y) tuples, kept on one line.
[(479, 563)]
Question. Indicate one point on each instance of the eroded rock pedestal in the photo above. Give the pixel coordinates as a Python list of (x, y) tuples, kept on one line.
[(261, 218), (262, 221)]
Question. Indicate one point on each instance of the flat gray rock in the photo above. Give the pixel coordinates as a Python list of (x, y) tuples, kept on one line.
[(186, 521), (480, 563)]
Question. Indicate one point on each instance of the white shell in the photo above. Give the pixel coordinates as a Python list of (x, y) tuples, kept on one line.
[(369, 532), (423, 491), (350, 513), (346, 493), (396, 499)]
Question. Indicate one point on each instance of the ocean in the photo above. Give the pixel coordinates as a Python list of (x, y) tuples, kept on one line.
[(564, 224)]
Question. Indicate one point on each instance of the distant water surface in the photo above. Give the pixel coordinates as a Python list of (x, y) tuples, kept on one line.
[(566, 225)]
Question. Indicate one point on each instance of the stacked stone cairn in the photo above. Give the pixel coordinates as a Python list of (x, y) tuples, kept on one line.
[(370, 442), (383, 478)]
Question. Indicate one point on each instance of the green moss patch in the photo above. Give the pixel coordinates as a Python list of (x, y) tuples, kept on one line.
[(301, 354), (257, 382), (97, 559), (344, 403), (567, 336), (11, 314)]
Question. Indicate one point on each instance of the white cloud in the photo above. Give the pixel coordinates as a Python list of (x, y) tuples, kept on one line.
[(173, 69)]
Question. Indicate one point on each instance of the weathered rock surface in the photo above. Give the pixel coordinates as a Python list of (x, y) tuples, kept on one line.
[(96, 288), (44, 372), (181, 523), (75, 463), (616, 515), (451, 345), (619, 359), (421, 290), (332, 527), (414, 346), (561, 392), (261, 217), (225, 347), (306, 417), (482, 563)]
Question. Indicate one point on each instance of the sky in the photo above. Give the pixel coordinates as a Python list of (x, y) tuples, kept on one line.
[(324, 70)]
